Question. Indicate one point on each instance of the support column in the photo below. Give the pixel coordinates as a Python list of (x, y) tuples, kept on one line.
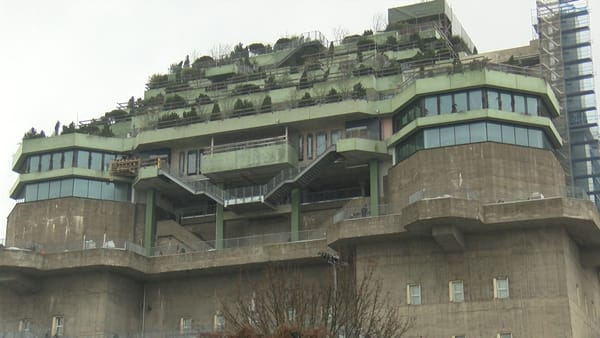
[(149, 221), (295, 215), (219, 226), (374, 186)]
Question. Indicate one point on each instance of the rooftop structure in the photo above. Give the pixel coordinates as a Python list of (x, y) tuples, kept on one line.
[(403, 148)]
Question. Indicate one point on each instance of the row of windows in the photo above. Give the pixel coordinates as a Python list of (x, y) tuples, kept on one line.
[(317, 143), (68, 159), (471, 133), (193, 159), (78, 187), (456, 291), (462, 101), (58, 325)]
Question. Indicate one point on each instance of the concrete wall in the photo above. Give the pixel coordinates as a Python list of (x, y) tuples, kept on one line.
[(64, 221), (533, 260), (494, 171)]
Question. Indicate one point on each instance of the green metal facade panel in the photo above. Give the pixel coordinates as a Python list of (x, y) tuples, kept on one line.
[(249, 158), (361, 144)]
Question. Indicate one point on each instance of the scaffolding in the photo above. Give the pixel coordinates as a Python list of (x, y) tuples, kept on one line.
[(566, 56)]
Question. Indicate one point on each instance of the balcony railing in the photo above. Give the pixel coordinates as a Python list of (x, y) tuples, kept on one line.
[(85, 243), (215, 149)]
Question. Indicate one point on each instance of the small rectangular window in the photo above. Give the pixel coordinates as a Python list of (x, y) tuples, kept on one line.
[(460, 102), (521, 137), (447, 136), (446, 104), (83, 159), (54, 189), (506, 102), (56, 161), (309, 146), (66, 187), (413, 294), (67, 159), (505, 335), (459, 336), (532, 106), (218, 322), (25, 325), (431, 106), (192, 161), (520, 104), (462, 134), (432, 138), (321, 142), (58, 325), (45, 162), (181, 162), (43, 190), (96, 161), (185, 325), (493, 99), (501, 287), (300, 147), (34, 164), (457, 293), (475, 100), (107, 159), (508, 134), (335, 136), (478, 132), (494, 132), (31, 192)]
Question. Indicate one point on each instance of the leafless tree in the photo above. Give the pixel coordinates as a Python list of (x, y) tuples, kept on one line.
[(379, 22), (339, 33), (220, 50), (287, 304)]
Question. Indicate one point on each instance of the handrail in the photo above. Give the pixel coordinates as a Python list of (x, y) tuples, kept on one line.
[(215, 149)]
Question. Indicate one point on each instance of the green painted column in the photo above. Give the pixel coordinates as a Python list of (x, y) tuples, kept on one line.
[(374, 186), (295, 215), (149, 221), (219, 226)]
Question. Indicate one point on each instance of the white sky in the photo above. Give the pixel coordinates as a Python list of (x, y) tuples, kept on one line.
[(74, 60)]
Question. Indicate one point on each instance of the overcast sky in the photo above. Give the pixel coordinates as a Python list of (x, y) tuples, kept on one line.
[(74, 60)]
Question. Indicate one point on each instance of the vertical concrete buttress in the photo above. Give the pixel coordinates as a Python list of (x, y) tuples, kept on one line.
[(374, 186), (149, 221), (295, 226)]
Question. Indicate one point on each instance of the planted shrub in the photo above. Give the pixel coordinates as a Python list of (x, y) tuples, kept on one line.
[(243, 107), (266, 105), (257, 48), (106, 131), (306, 100), (216, 109), (70, 129), (332, 96), (304, 83), (32, 133), (391, 43), (246, 89), (115, 113), (364, 44), (157, 81), (203, 61), (358, 92), (154, 101), (175, 102), (282, 43), (203, 99), (270, 83), (350, 38), (169, 117)]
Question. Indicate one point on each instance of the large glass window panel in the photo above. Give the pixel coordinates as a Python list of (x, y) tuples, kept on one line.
[(447, 136), (56, 161), (108, 191), (95, 189), (521, 137), (445, 104), (68, 159), (506, 102), (335, 136), (80, 187), (520, 104), (83, 159), (96, 161), (535, 138), (121, 192), (191, 162), (321, 142), (34, 164), (478, 132), (54, 189), (462, 134), (309, 146), (66, 187), (107, 159), (532, 106), (493, 99), (432, 138), (181, 162), (300, 147), (475, 100), (43, 190), (431, 107), (508, 134), (31, 192), (460, 102), (494, 132), (45, 162)]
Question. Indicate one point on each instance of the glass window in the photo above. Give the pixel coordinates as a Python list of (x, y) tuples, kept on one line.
[(58, 326), (56, 161), (96, 161), (83, 159), (121, 192), (460, 102), (107, 159), (535, 138), (478, 132), (457, 291), (34, 164), (506, 102), (445, 104), (80, 187), (475, 100), (335, 136), (95, 189), (501, 287), (108, 191), (508, 134), (67, 159), (191, 162), (54, 189), (321, 142), (309, 146), (521, 137), (494, 132), (300, 147), (414, 294), (45, 162), (532, 106), (181, 162), (505, 335), (462, 134), (43, 190), (431, 107), (519, 104), (447, 136), (31, 192), (493, 99), (432, 138), (66, 187)]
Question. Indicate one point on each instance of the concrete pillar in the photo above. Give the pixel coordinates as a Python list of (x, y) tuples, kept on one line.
[(149, 221), (374, 186), (219, 226), (295, 215)]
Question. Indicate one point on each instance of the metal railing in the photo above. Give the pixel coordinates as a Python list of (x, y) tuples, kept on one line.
[(330, 195), (85, 243), (268, 141), (192, 333)]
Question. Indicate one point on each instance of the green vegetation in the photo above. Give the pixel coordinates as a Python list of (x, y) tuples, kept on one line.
[(266, 105), (32, 133), (306, 100), (169, 117), (247, 88), (358, 92), (203, 99), (243, 107), (157, 81), (175, 102), (333, 96)]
